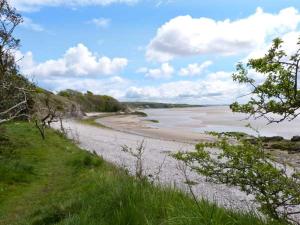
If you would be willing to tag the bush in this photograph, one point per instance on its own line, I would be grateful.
(139, 113)
(247, 166)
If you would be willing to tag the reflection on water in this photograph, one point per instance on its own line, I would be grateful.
(219, 119)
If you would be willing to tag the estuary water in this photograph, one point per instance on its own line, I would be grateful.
(219, 119)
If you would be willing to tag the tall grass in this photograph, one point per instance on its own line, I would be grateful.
(54, 182)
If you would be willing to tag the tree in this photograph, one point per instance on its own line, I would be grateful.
(9, 20)
(278, 94)
(14, 88)
(47, 111)
(240, 162)
(249, 167)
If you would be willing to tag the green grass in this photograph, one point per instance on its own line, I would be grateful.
(92, 122)
(139, 113)
(153, 121)
(55, 182)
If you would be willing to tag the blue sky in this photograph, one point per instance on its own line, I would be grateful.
(150, 50)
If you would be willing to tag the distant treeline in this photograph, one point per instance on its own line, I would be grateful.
(90, 102)
(156, 105)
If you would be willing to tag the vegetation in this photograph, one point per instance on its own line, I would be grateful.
(92, 121)
(139, 113)
(15, 98)
(248, 166)
(278, 93)
(153, 121)
(269, 143)
(243, 162)
(63, 184)
(93, 103)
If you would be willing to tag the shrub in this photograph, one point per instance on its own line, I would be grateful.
(242, 164)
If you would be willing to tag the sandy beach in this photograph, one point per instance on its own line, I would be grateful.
(145, 127)
(108, 142)
(160, 140)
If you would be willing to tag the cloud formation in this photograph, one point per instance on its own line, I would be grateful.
(187, 36)
(194, 69)
(165, 71)
(34, 5)
(216, 88)
(77, 61)
(29, 24)
(100, 22)
(289, 45)
(113, 86)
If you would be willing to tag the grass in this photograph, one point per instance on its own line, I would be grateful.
(153, 121)
(139, 113)
(92, 122)
(55, 182)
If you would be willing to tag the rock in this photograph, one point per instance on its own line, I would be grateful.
(295, 138)
(251, 140)
(294, 149)
(272, 139)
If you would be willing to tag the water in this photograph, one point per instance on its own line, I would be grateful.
(219, 119)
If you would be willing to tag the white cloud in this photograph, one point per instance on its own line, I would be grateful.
(194, 69)
(216, 88)
(289, 45)
(160, 3)
(100, 22)
(34, 5)
(29, 24)
(186, 36)
(78, 61)
(165, 71)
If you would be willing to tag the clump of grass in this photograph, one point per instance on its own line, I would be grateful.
(139, 113)
(87, 160)
(153, 121)
(71, 186)
(92, 122)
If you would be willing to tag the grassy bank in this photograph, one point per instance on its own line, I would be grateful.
(55, 182)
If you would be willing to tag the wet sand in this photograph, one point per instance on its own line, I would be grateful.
(190, 124)
(144, 127)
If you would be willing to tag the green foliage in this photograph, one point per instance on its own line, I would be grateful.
(247, 166)
(93, 103)
(278, 93)
(92, 121)
(139, 113)
(15, 89)
(72, 186)
(15, 98)
(153, 121)
(89, 93)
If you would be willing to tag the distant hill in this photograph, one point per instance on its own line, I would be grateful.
(92, 103)
(156, 105)
(72, 103)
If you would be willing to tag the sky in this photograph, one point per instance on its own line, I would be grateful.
(173, 51)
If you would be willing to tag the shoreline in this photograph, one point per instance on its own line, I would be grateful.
(136, 125)
(142, 127)
(108, 143)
